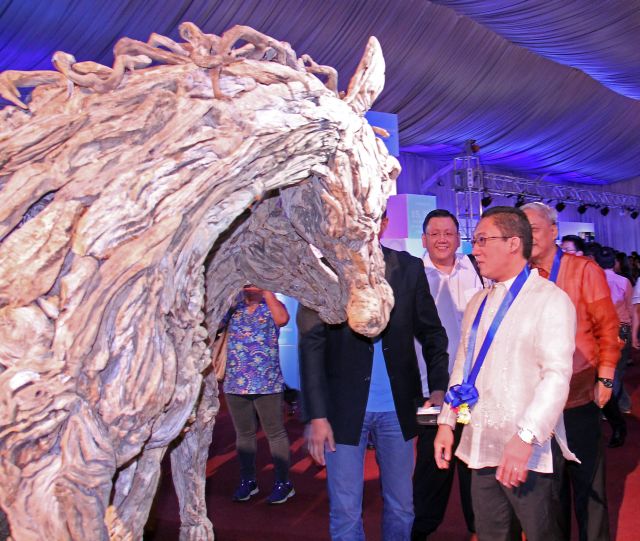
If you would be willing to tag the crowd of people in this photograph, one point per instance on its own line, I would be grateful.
(521, 346)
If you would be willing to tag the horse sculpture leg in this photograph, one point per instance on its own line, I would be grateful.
(63, 497)
(132, 502)
(189, 465)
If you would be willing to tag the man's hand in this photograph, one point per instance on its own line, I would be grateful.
(602, 394)
(635, 342)
(319, 434)
(435, 399)
(515, 458)
(443, 445)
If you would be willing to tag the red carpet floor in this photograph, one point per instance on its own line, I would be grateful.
(305, 517)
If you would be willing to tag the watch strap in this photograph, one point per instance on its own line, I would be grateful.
(607, 382)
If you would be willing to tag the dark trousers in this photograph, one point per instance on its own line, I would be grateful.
(268, 407)
(586, 481)
(499, 511)
(618, 381)
(432, 486)
(611, 409)
(613, 414)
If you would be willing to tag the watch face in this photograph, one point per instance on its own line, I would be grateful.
(526, 435)
(608, 383)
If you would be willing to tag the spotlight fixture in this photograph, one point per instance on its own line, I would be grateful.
(519, 201)
(582, 209)
(486, 199)
(471, 147)
(633, 214)
(604, 211)
(560, 206)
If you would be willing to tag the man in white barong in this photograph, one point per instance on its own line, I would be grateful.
(509, 386)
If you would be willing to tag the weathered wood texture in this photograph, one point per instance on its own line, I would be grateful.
(117, 185)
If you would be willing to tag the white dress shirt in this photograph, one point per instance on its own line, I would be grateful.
(636, 293)
(621, 295)
(451, 293)
(524, 381)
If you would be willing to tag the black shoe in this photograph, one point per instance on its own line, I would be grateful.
(618, 437)
(417, 535)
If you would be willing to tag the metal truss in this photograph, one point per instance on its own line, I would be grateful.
(540, 190)
(477, 181)
(472, 184)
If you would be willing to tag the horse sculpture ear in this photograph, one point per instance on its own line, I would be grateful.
(368, 80)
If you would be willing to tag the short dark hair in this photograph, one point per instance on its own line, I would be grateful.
(591, 249)
(606, 257)
(625, 266)
(439, 213)
(578, 242)
(512, 222)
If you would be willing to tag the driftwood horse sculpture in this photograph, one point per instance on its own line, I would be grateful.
(117, 186)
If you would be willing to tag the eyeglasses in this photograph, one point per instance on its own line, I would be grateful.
(482, 241)
(445, 235)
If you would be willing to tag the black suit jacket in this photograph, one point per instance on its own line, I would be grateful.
(336, 363)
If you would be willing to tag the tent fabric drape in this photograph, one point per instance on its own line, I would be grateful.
(544, 87)
(599, 38)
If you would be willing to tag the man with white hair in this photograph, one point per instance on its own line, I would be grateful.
(594, 363)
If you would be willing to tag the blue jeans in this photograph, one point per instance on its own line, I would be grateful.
(345, 481)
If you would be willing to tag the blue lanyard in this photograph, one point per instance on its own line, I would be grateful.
(555, 269)
(495, 324)
(466, 392)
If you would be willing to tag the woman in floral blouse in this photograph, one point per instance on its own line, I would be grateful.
(253, 385)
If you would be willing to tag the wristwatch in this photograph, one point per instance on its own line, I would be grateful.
(607, 382)
(526, 436)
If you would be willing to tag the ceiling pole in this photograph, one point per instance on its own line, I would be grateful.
(468, 187)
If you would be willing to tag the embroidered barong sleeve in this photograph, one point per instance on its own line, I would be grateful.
(554, 345)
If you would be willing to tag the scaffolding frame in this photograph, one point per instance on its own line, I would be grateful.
(540, 190)
(471, 184)
(468, 185)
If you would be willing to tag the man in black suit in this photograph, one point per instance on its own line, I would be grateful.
(354, 387)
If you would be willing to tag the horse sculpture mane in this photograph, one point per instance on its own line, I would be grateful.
(127, 195)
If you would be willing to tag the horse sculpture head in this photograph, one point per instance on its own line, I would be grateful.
(336, 209)
(115, 184)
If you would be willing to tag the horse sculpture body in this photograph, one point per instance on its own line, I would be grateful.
(117, 185)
